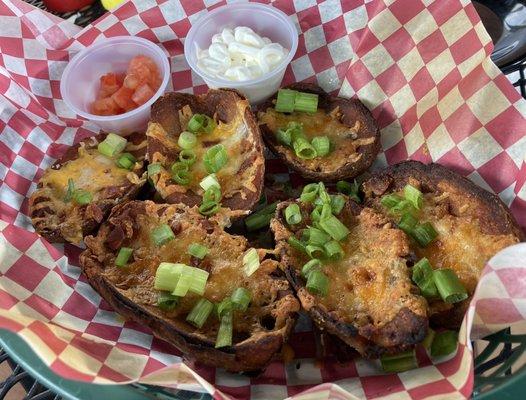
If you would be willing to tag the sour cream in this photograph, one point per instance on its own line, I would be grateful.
(240, 54)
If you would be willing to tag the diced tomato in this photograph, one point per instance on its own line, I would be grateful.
(105, 106)
(142, 94)
(123, 98)
(138, 61)
(132, 81)
(109, 84)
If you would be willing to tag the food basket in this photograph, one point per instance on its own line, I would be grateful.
(500, 364)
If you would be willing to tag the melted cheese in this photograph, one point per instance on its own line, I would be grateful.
(371, 283)
(343, 138)
(91, 171)
(461, 245)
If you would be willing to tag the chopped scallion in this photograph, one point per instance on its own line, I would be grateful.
(317, 283)
(391, 200)
(251, 261)
(184, 282)
(215, 158)
(322, 145)
(224, 306)
(209, 181)
(209, 208)
(306, 102)
(284, 137)
(444, 343)
(407, 223)
(198, 250)
(304, 149)
(224, 334)
(337, 203)
(187, 157)
(154, 169)
(187, 140)
(315, 251)
(200, 123)
(82, 197)
(167, 276)
(112, 145)
(422, 275)
(162, 234)
(293, 214)
(167, 301)
(241, 298)
(70, 190)
(424, 234)
(333, 250)
(198, 280)
(449, 286)
(315, 236)
(200, 312)
(123, 256)
(310, 266)
(296, 244)
(212, 194)
(399, 362)
(126, 161)
(414, 195)
(334, 228)
(285, 100)
(309, 193)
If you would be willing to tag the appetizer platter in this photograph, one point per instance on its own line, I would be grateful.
(178, 213)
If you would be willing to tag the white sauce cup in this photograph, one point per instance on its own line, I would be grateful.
(265, 21)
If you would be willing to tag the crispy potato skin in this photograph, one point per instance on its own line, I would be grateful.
(465, 202)
(250, 353)
(53, 226)
(222, 104)
(352, 110)
(401, 327)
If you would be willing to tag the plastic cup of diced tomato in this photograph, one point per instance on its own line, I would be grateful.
(103, 65)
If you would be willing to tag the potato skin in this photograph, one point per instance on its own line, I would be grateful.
(52, 226)
(493, 216)
(352, 110)
(222, 104)
(407, 327)
(250, 354)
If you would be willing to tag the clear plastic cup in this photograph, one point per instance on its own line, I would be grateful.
(265, 21)
(80, 80)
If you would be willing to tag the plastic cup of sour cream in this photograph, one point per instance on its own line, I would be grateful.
(264, 20)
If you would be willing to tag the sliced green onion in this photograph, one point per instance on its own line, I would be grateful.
(215, 158)
(257, 221)
(391, 200)
(315, 251)
(449, 286)
(226, 305)
(167, 276)
(154, 169)
(187, 157)
(326, 211)
(293, 214)
(310, 266)
(198, 250)
(407, 223)
(337, 203)
(187, 140)
(414, 195)
(209, 181)
(126, 161)
(309, 193)
(405, 206)
(82, 197)
(209, 208)
(184, 282)
(303, 149)
(444, 343)
(424, 234)
(317, 283)
(201, 123)
(315, 236)
(322, 145)
(167, 301)
(296, 131)
(241, 298)
(70, 190)
(181, 177)
(296, 244)
(428, 340)
(212, 194)
(284, 137)
(251, 261)
(199, 277)
(306, 102)
(315, 215)
(333, 250)
(334, 228)
(351, 190)
(112, 145)
(224, 334)
(323, 195)
(200, 312)
(285, 100)
(422, 275)
(162, 234)
(123, 256)
(399, 362)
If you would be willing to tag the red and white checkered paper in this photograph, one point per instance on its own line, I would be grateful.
(421, 66)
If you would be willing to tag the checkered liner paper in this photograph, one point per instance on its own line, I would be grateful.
(422, 67)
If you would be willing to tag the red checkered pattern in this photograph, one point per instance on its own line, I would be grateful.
(421, 66)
